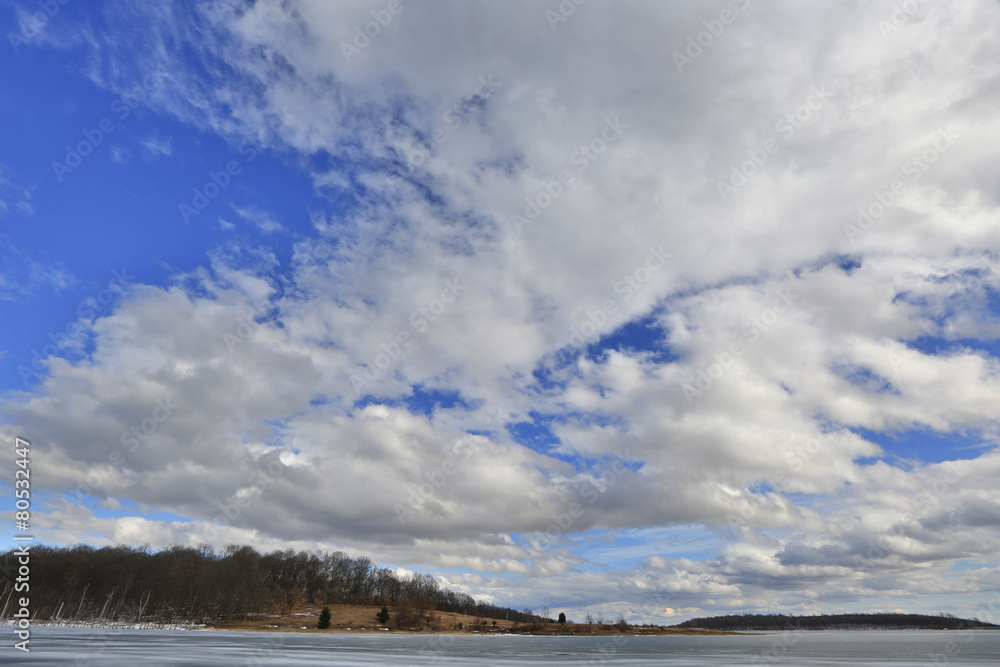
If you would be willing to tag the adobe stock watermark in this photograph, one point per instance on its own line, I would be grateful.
(661, 597)
(562, 522)
(787, 125)
(607, 649)
(246, 327)
(780, 646)
(136, 435)
(363, 36)
(90, 307)
(581, 158)
(900, 16)
(466, 448)
(565, 9)
(881, 546)
(696, 44)
(267, 654)
(421, 318)
(216, 182)
(120, 109)
(724, 359)
(402, 343)
(258, 480)
(418, 496)
(882, 200)
(627, 287)
(144, 430)
(795, 459)
(951, 647)
(898, 358)
(33, 24)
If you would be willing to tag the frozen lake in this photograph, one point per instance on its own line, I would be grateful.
(113, 648)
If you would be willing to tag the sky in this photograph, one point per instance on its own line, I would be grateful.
(655, 309)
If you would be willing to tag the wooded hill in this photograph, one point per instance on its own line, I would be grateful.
(183, 584)
(834, 622)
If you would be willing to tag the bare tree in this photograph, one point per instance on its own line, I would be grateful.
(143, 601)
(8, 586)
(107, 602)
(80, 605)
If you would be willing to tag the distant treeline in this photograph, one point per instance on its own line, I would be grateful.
(186, 584)
(834, 622)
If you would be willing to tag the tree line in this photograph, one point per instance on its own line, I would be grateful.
(185, 584)
(762, 622)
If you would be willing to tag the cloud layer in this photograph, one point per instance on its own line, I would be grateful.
(604, 312)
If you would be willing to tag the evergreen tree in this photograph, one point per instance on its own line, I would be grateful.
(562, 618)
(383, 616)
(324, 619)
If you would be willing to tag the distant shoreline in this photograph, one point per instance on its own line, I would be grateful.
(855, 621)
(362, 619)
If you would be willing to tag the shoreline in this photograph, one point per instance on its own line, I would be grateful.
(641, 631)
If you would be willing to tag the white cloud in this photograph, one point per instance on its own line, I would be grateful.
(156, 146)
(23, 273)
(121, 155)
(264, 221)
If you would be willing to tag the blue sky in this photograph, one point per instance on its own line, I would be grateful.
(119, 210)
(468, 300)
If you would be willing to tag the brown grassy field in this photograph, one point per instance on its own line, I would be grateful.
(361, 618)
